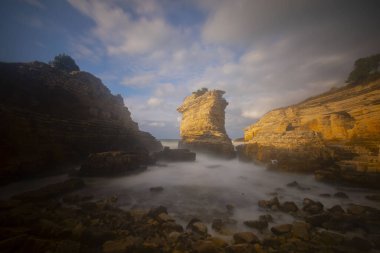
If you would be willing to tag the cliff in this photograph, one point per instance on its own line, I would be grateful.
(51, 118)
(202, 125)
(335, 134)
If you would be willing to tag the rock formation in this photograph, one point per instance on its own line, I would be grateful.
(50, 117)
(202, 125)
(336, 134)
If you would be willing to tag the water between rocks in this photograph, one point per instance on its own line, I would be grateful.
(205, 188)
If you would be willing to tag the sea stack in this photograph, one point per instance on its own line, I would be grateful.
(202, 126)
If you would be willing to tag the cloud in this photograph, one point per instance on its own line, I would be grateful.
(139, 80)
(154, 101)
(124, 34)
(264, 54)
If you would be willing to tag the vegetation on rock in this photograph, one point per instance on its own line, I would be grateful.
(365, 70)
(64, 62)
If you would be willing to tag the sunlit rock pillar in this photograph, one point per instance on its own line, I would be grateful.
(202, 126)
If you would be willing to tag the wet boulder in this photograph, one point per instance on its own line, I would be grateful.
(175, 155)
(289, 207)
(311, 206)
(245, 237)
(281, 229)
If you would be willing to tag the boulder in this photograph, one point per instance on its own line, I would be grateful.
(175, 155)
(312, 207)
(114, 163)
(289, 207)
(245, 237)
(281, 229)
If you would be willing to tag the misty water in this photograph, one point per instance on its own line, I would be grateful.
(205, 187)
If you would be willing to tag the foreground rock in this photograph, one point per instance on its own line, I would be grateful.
(335, 134)
(51, 118)
(175, 155)
(114, 163)
(202, 125)
(57, 222)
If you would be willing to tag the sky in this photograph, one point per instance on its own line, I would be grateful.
(264, 53)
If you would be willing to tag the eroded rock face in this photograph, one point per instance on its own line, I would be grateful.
(202, 125)
(339, 130)
(49, 118)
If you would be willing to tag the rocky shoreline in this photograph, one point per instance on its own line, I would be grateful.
(56, 218)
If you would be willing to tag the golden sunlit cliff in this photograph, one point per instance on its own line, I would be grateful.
(202, 125)
(336, 134)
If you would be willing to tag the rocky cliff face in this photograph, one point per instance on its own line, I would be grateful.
(202, 125)
(336, 134)
(50, 117)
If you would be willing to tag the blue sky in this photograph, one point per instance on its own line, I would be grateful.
(264, 54)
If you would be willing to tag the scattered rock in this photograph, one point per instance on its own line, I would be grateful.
(274, 202)
(206, 247)
(288, 206)
(341, 195)
(325, 195)
(156, 189)
(317, 219)
(359, 243)
(301, 230)
(373, 197)
(266, 217)
(281, 229)
(245, 237)
(337, 209)
(196, 226)
(257, 224)
(356, 209)
(154, 212)
(312, 207)
(230, 208)
(240, 248)
(295, 184)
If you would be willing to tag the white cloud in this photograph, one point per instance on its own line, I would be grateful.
(139, 80)
(154, 101)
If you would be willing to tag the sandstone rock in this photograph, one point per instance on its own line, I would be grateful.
(245, 237)
(269, 203)
(258, 224)
(197, 227)
(288, 206)
(281, 229)
(312, 207)
(338, 129)
(337, 209)
(113, 163)
(53, 119)
(240, 248)
(206, 247)
(373, 197)
(175, 155)
(202, 125)
(301, 230)
(341, 195)
(156, 189)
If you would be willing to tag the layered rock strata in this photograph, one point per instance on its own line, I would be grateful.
(336, 134)
(52, 118)
(202, 125)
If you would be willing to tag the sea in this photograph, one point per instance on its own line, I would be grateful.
(208, 188)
